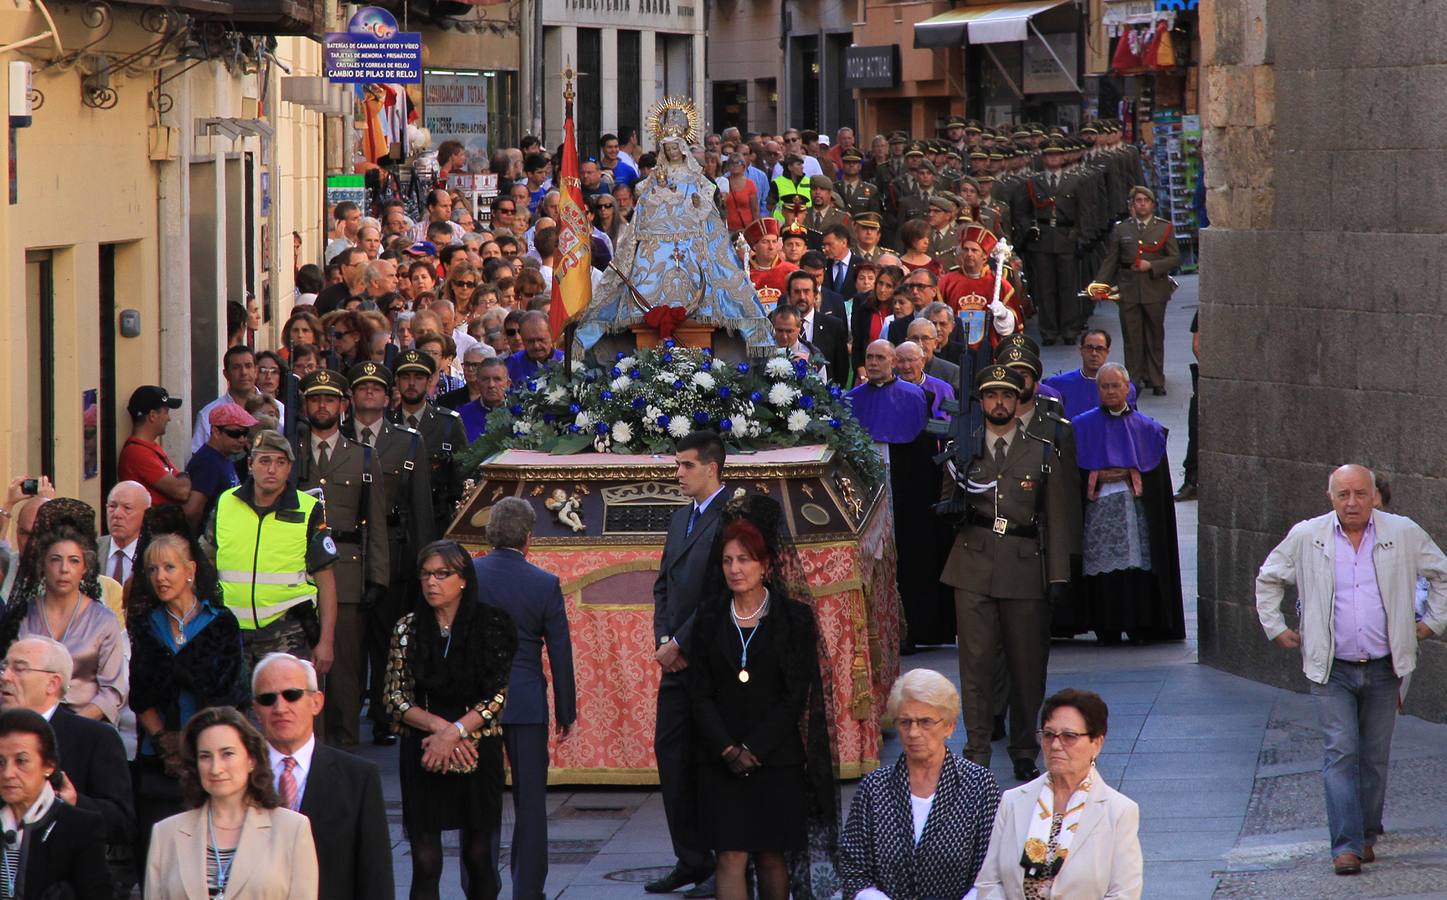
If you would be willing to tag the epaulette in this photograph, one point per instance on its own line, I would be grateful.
(444, 411)
(1041, 438)
(404, 428)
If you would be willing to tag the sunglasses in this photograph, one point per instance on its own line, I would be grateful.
(514, 332)
(507, 210)
(338, 335)
(605, 206)
(291, 695)
(465, 284)
(235, 433)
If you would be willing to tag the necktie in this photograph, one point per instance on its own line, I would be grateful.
(118, 570)
(287, 783)
(999, 451)
(693, 519)
(367, 437)
(324, 455)
(839, 271)
(411, 421)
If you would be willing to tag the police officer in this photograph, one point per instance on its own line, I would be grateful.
(1008, 554)
(442, 433)
(348, 476)
(274, 557)
(407, 491)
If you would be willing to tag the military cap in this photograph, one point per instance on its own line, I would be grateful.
(943, 203)
(1020, 133)
(952, 153)
(416, 361)
(955, 122)
(983, 176)
(1037, 130)
(973, 126)
(1142, 189)
(1052, 146)
(916, 148)
(869, 219)
(898, 137)
(979, 154)
(795, 230)
(1089, 128)
(851, 155)
(796, 202)
(999, 376)
(821, 181)
(269, 440)
(1018, 358)
(324, 381)
(996, 155)
(926, 164)
(370, 371)
(1019, 339)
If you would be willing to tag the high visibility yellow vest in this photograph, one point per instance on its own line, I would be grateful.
(261, 561)
(787, 188)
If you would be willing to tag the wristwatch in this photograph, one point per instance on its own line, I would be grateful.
(665, 639)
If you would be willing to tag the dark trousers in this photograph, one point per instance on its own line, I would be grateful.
(1143, 328)
(347, 679)
(1022, 629)
(677, 777)
(527, 755)
(1053, 287)
(1191, 425)
(381, 618)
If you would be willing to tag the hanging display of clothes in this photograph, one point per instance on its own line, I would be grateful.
(384, 121)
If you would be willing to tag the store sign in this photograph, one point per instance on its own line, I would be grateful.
(1043, 75)
(372, 50)
(872, 67)
(1128, 12)
(454, 108)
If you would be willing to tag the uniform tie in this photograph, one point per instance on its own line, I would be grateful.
(324, 455)
(287, 783)
(367, 437)
(999, 451)
(412, 421)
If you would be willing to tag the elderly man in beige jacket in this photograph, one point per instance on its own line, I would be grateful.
(1355, 571)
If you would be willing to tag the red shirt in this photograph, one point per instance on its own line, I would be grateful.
(971, 296)
(145, 462)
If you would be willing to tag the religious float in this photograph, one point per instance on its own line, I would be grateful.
(674, 339)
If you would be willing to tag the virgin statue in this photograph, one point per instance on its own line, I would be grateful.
(676, 253)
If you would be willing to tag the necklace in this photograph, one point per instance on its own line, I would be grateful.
(445, 630)
(182, 620)
(734, 608)
(744, 656)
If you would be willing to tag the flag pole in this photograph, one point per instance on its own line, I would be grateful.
(570, 330)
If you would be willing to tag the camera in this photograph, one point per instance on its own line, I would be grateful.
(30, 487)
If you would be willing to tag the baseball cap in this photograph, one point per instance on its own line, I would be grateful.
(422, 248)
(149, 398)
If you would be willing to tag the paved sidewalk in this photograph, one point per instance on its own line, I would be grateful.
(1225, 770)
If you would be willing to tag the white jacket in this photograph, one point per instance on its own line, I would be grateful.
(1306, 558)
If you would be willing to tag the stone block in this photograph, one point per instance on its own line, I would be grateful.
(1263, 91)
(1216, 107)
(1423, 208)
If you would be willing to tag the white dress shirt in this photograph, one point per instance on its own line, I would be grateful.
(303, 758)
(128, 559)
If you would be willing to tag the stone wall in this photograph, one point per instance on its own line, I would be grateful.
(1322, 292)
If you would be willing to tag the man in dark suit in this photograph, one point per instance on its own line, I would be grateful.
(683, 573)
(843, 267)
(821, 331)
(534, 599)
(827, 301)
(92, 757)
(340, 793)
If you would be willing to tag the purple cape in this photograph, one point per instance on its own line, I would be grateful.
(894, 413)
(1132, 440)
(1078, 393)
(938, 391)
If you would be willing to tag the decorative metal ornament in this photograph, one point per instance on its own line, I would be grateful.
(674, 117)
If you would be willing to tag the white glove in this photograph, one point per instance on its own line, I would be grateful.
(1004, 317)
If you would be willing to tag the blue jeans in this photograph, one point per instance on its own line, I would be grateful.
(1358, 710)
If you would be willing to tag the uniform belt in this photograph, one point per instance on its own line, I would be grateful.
(1011, 528)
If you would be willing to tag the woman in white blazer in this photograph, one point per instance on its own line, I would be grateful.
(238, 841)
(1067, 834)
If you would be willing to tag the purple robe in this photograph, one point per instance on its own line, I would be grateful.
(520, 368)
(474, 419)
(1131, 440)
(1078, 393)
(893, 413)
(938, 391)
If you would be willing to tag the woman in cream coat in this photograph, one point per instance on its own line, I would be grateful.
(238, 842)
(1067, 834)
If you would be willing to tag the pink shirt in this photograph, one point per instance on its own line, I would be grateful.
(1359, 620)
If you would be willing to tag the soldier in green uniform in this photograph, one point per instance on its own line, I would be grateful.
(824, 210)
(442, 434)
(347, 475)
(855, 194)
(1010, 557)
(1140, 256)
(407, 491)
(944, 240)
(867, 228)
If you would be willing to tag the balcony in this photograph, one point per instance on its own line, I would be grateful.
(298, 17)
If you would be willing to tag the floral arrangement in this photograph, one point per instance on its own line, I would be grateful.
(646, 401)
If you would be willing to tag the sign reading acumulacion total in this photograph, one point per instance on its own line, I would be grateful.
(372, 50)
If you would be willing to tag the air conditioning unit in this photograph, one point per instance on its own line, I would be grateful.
(297, 17)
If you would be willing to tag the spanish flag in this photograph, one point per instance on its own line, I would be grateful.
(573, 271)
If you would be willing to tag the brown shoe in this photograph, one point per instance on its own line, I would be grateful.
(1368, 854)
(1347, 864)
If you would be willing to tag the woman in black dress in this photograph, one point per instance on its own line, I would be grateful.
(765, 770)
(447, 678)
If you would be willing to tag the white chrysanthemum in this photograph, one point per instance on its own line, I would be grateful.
(782, 395)
(678, 426)
(556, 394)
(522, 426)
(665, 377)
(704, 381)
(779, 367)
(622, 432)
(625, 363)
(621, 383)
(584, 420)
(798, 421)
(652, 412)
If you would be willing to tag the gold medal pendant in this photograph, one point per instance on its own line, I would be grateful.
(743, 676)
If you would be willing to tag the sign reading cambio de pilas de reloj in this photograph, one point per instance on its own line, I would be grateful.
(372, 50)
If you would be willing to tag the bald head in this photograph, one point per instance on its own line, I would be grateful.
(879, 362)
(1353, 490)
(125, 507)
(909, 362)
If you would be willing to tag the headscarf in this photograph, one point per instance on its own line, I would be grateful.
(53, 515)
(478, 662)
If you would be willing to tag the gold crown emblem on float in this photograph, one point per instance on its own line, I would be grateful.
(675, 117)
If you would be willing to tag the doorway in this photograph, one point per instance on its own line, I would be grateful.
(40, 326)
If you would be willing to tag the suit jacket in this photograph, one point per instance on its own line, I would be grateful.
(684, 570)
(401, 454)
(1156, 244)
(341, 483)
(831, 337)
(832, 304)
(844, 287)
(1105, 854)
(275, 860)
(65, 856)
(453, 399)
(94, 759)
(534, 599)
(343, 803)
(945, 371)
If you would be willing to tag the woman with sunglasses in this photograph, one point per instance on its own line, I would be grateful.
(447, 677)
(606, 218)
(351, 335)
(185, 656)
(461, 287)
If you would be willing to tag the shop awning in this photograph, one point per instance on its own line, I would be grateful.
(995, 23)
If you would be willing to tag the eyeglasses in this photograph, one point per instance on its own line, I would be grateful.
(464, 284)
(1095, 348)
(437, 574)
(507, 210)
(235, 433)
(605, 206)
(472, 365)
(267, 370)
(338, 335)
(924, 724)
(1067, 738)
(20, 667)
(290, 695)
(916, 286)
(514, 332)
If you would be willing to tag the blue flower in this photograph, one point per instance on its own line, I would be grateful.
(661, 421)
(806, 402)
(574, 408)
(517, 432)
(605, 395)
(708, 351)
(801, 368)
(549, 417)
(639, 403)
(620, 355)
(532, 385)
(617, 371)
(516, 409)
(590, 378)
(743, 368)
(668, 357)
(706, 365)
(726, 424)
(572, 429)
(724, 393)
(701, 417)
(678, 384)
(756, 396)
(635, 373)
(834, 423)
(670, 344)
(834, 391)
(600, 428)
